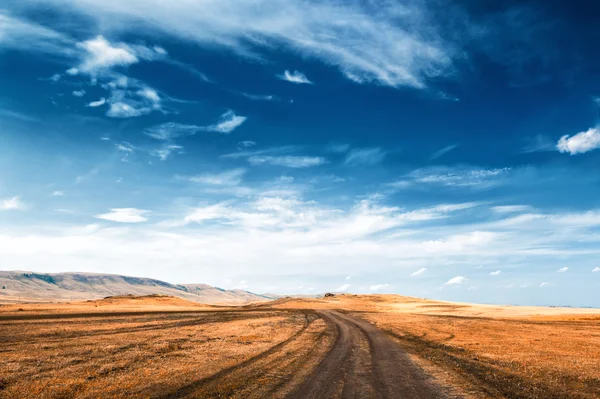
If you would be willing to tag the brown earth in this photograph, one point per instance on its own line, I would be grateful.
(379, 346)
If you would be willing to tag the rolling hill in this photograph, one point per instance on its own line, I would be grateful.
(41, 287)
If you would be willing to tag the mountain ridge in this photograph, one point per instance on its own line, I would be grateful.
(18, 286)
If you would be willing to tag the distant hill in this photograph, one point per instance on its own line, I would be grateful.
(41, 287)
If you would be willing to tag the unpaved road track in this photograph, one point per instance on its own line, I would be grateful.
(365, 363)
(333, 356)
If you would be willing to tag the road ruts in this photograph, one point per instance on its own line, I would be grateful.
(365, 363)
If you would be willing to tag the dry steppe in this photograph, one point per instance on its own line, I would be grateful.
(377, 345)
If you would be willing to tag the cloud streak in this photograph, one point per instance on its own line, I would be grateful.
(294, 77)
(227, 123)
(289, 161)
(125, 215)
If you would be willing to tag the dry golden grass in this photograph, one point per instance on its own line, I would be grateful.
(50, 353)
(163, 347)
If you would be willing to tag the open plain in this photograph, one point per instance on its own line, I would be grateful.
(367, 346)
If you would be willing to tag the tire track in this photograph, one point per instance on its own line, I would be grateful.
(211, 386)
(383, 371)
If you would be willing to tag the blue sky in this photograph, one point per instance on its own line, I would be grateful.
(443, 149)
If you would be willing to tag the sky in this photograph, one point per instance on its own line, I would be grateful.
(434, 148)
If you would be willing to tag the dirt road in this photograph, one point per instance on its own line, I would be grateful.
(333, 356)
(365, 363)
(252, 353)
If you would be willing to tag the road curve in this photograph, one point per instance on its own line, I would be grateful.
(365, 363)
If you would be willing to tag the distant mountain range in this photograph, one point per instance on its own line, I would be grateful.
(40, 287)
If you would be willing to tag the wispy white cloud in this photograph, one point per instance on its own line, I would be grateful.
(17, 115)
(227, 123)
(12, 204)
(294, 77)
(128, 104)
(165, 151)
(57, 193)
(228, 178)
(338, 147)
(23, 34)
(171, 130)
(563, 270)
(538, 143)
(125, 215)
(97, 103)
(419, 272)
(125, 147)
(391, 44)
(596, 270)
(546, 284)
(290, 161)
(79, 93)
(511, 208)
(378, 287)
(364, 156)
(246, 144)
(351, 240)
(442, 151)
(453, 177)
(458, 280)
(261, 97)
(496, 273)
(580, 143)
(342, 288)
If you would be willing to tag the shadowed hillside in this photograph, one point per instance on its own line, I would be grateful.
(18, 286)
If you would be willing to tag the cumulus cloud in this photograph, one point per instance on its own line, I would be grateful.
(580, 143)
(227, 123)
(563, 270)
(596, 269)
(458, 280)
(496, 273)
(12, 204)
(125, 215)
(79, 93)
(419, 272)
(364, 156)
(294, 77)
(100, 54)
(378, 287)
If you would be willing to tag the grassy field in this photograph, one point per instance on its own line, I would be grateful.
(166, 347)
(492, 351)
